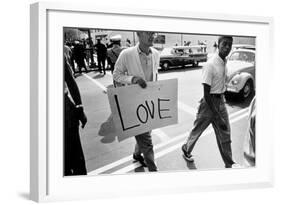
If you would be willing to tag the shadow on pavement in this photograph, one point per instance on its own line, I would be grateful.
(100, 75)
(107, 130)
(180, 69)
(77, 74)
(109, 86)
(139, 169)
(24, 195)
(237, 101)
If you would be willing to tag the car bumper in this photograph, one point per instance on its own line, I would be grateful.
(204, 59)
(232, 89)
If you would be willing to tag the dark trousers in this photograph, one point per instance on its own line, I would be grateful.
(204, 118)
(81, 64)
(112, 67)
(74, 161)
(101, 63)
(71, 62)
(144, 145)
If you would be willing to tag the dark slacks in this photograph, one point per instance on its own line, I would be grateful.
(144, 145)
(81, 64)
(74, 161)
(204, 118)
(101, 63)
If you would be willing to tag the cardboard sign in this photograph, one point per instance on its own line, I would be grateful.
(136, 110)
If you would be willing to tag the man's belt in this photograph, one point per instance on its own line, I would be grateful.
(217, 95)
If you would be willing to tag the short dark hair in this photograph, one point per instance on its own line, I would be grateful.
(224, 37)
(138, 34)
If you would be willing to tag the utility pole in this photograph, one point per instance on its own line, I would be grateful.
(134, 40)
(181, 39)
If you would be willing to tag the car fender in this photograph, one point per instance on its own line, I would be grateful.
(244, 77)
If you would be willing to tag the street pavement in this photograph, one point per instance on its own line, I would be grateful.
(107, 154)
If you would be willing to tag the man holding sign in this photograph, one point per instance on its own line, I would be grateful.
(137, 65)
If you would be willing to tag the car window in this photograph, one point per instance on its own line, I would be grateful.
(166, 51)
(251, 57)
(234, 56)
(242, 46)
(179, 51)
(242, 56)
(195, 50)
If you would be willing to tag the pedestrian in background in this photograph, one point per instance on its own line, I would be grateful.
(79, 56)
(114, 51)
(74, 161)
(128, 43)
(137, 65)
(101, 55)
(204, 43)
(212, 109)
(215, 46)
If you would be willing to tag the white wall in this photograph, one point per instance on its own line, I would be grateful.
(14, 160)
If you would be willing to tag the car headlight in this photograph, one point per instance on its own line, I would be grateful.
(235, 80)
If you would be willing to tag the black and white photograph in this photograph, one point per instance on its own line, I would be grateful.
(134, 102)
(141, 101)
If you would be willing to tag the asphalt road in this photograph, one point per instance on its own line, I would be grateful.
(107, 154)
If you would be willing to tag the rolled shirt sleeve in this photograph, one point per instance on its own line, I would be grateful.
(207, 74)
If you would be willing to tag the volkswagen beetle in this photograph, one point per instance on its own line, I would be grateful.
(241, 72)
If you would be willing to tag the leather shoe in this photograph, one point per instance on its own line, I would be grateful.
(139, 159)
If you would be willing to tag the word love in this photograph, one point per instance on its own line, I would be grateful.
(136, 110)
(145, 111)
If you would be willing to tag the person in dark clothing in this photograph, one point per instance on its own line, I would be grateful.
(114, 51)
(215, 46)
(74, 161)
(109, 44)
(101, 54)
(79, 56)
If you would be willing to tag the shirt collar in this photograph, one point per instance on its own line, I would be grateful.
(141, 52)
(219, 59)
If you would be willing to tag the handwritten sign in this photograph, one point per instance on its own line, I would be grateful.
(136, 110)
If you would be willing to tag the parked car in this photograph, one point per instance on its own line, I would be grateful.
(241, 72)
(250, 137)
(182, 55)
(243, 46)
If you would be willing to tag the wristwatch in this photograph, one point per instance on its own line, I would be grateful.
(79, 106)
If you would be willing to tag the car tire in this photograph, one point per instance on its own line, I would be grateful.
(166, 65)
(195, 64)
(247, 90)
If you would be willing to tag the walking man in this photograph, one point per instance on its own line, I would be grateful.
(101, 55)
(137, 65)
(212, 108)
(114, 51)
(79, 56)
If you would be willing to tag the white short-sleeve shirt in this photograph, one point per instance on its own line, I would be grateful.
(214, 74)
